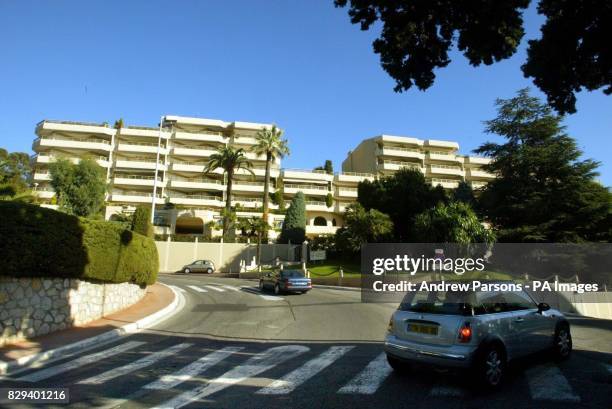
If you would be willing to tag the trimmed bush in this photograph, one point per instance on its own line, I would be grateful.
(294, 225)
(40, 242)
(141, 221)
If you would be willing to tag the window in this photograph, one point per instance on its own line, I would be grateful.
(319, 221)
(516, 301)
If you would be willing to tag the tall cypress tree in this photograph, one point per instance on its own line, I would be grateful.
(294, 226)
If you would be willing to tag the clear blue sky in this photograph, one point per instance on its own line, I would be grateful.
(300, 64)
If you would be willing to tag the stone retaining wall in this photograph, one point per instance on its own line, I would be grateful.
(38, 306)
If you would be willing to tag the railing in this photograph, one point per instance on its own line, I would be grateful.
(54, 121)
(348, 189)
(315, 203)
(137, 177)
(436, 180)
(445, 167)
(444, 153)
(55, 138)
(248, 183)
(311, 187)
(197, 147)
(135, 193)
(362, 174)
(189, 163)
(400, 163)
(319, 171)
(402, 149)
(194, 180)
(146, 128)
(139, 159)
(194, 196)
(216, 133)
(141, 144)
(104, 158)
(247, 199)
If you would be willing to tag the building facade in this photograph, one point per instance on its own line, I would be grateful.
(166, 164)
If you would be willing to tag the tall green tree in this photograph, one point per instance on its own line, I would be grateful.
(231, 160)
(80, 188)
(15, 170)
(454, 222)
(545, 191)
(269, 142)
(464, 193)
(573, 52)
(294, 225)
(402, 196)
(362, 226)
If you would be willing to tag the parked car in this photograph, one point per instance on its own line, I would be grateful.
(199, 266)
(290, 281)
(480, 331)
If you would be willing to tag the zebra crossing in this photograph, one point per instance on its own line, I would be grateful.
(221, 288)
(193, 382)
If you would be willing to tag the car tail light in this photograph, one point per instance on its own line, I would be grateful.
(390, 326)
(465, 333)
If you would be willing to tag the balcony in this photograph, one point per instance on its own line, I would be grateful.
(185, 166)
(340, 207)
(248, 186)
(353, 177)
(478, 185)
(319, 190)
(42, 158)
(139, 163)
(196, 183)
(477, 160)
(144, 131)
(249, 202)
(315, 206)
(346, 192)
(401, 152)
(203, 136)
(201, 151)
(141, 147)
(321, 229)
(394, 165)
(45, 192)
(135, 197)
(42, 176)
(196, 200)
(433, 143)
(445, 170)
(445, 183)
(71, 143)
(444, 156)
(475, 173)
(260, 171)
(49, 126)
(138, 180)
(317, 175)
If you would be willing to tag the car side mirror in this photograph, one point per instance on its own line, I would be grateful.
(543, 307)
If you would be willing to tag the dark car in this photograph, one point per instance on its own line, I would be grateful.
(285, 281)
(199, 266)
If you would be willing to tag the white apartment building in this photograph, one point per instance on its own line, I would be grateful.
(166, 164)
(439, 161)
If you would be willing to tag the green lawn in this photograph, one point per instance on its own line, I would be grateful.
(330, 269)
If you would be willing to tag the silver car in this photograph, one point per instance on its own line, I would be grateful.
(199, 266)
(481, 331)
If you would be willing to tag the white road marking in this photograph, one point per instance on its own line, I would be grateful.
(370, 378)
(193, 369)
(84, 360)
(177, 288)
(546, 382)
(198, 289)
(295, 378)
(444, 390)
(271, 297)
(148, 360)
(212, 287)
(254, 366)
(230, 287)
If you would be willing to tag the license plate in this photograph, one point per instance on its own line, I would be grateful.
(423, 329)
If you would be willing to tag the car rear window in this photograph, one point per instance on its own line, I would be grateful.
(438, 302)
(292, 274)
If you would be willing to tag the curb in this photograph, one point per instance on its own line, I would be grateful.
(336, 287)
(51, 355)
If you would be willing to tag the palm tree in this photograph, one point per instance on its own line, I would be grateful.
(269, 143)
(230, 160)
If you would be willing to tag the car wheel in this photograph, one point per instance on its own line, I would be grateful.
(277, 289)
(397, 365)
(186, 271)
(209, 270)
(261, 285)
(491, 366)
(562, 343)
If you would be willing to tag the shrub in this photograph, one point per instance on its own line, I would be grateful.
(141, 221)
(294, 225)
(40, 242)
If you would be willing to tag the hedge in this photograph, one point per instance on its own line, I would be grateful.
(141, 221)
(40, 242)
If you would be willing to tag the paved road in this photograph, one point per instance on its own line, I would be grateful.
(233, 347)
